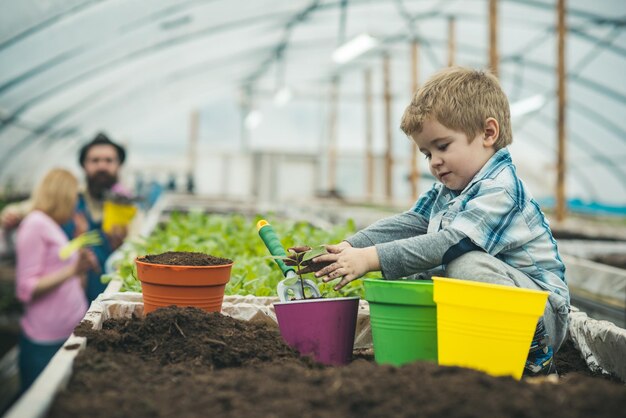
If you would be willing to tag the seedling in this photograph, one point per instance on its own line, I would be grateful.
(300, 260)
(88, 239)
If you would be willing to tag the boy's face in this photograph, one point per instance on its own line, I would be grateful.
(453, 159)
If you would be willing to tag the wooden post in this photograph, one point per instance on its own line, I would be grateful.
(332, 134)
(245, 99)
(493, 36)
(388, 132)
(562, 86)
(415, 174)
(451, 40)
(192, 151)
(369, 135)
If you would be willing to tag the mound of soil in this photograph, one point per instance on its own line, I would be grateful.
(120, 375)
(189, 335)
(178, 258)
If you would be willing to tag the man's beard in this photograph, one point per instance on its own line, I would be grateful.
(100, 183)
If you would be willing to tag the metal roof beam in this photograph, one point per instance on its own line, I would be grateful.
(280, 48)
(46, 23)
(158, 47)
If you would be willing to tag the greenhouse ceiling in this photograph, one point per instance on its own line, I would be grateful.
(138, 68)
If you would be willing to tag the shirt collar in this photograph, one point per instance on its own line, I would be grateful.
(497, 162)
(493, 166)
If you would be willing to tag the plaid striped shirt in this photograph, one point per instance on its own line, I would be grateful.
(498, 214)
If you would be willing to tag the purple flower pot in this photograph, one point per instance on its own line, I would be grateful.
(322, 328)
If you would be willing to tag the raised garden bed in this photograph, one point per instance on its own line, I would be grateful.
(180, 366)
(185, 362)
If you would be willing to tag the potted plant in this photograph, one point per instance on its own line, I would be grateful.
(183, 279)
(314, 325)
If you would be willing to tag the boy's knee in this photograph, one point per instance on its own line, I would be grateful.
(469, 266)
(478, 266)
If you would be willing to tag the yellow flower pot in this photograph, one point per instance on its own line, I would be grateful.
(486, 327)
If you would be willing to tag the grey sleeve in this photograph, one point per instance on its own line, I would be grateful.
(403, 225)
(404, 257)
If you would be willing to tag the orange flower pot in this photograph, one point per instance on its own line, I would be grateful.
(198, 286)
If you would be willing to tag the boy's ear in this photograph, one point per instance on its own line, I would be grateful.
(492, 132)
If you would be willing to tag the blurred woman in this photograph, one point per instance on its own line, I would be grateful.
(51, 289)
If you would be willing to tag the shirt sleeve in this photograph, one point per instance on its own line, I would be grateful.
(403, 225)
(492, 221)
(408, 256)
(424, 204)
(30, 249)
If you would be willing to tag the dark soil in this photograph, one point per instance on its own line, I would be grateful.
(615, 260)
(568, 360)
(173, 258)
(566, 234)
(151, 368)
(188, 335)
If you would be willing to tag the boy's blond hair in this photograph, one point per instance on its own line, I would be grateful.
(460, 99)
(56, 195)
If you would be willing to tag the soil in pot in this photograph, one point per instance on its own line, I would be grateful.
(118, 375)
(183, 279)
(178, 258)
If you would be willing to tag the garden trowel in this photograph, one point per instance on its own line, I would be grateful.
(291, 282)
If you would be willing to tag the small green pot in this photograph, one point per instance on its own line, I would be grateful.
(403, 317)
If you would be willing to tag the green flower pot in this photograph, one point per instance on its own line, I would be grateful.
(403, 317)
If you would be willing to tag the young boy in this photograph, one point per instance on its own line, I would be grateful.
(478, 223)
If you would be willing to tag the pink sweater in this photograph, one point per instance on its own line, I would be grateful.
(51, 317)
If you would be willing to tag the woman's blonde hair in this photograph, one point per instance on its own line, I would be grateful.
(461, 99)
(56, 195)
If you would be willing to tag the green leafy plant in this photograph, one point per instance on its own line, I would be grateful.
(234, 237)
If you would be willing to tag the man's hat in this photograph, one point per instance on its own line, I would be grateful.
(101, 139)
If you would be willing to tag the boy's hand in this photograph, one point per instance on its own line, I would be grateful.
(347, 262)
(311, 265)
(308, 266)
